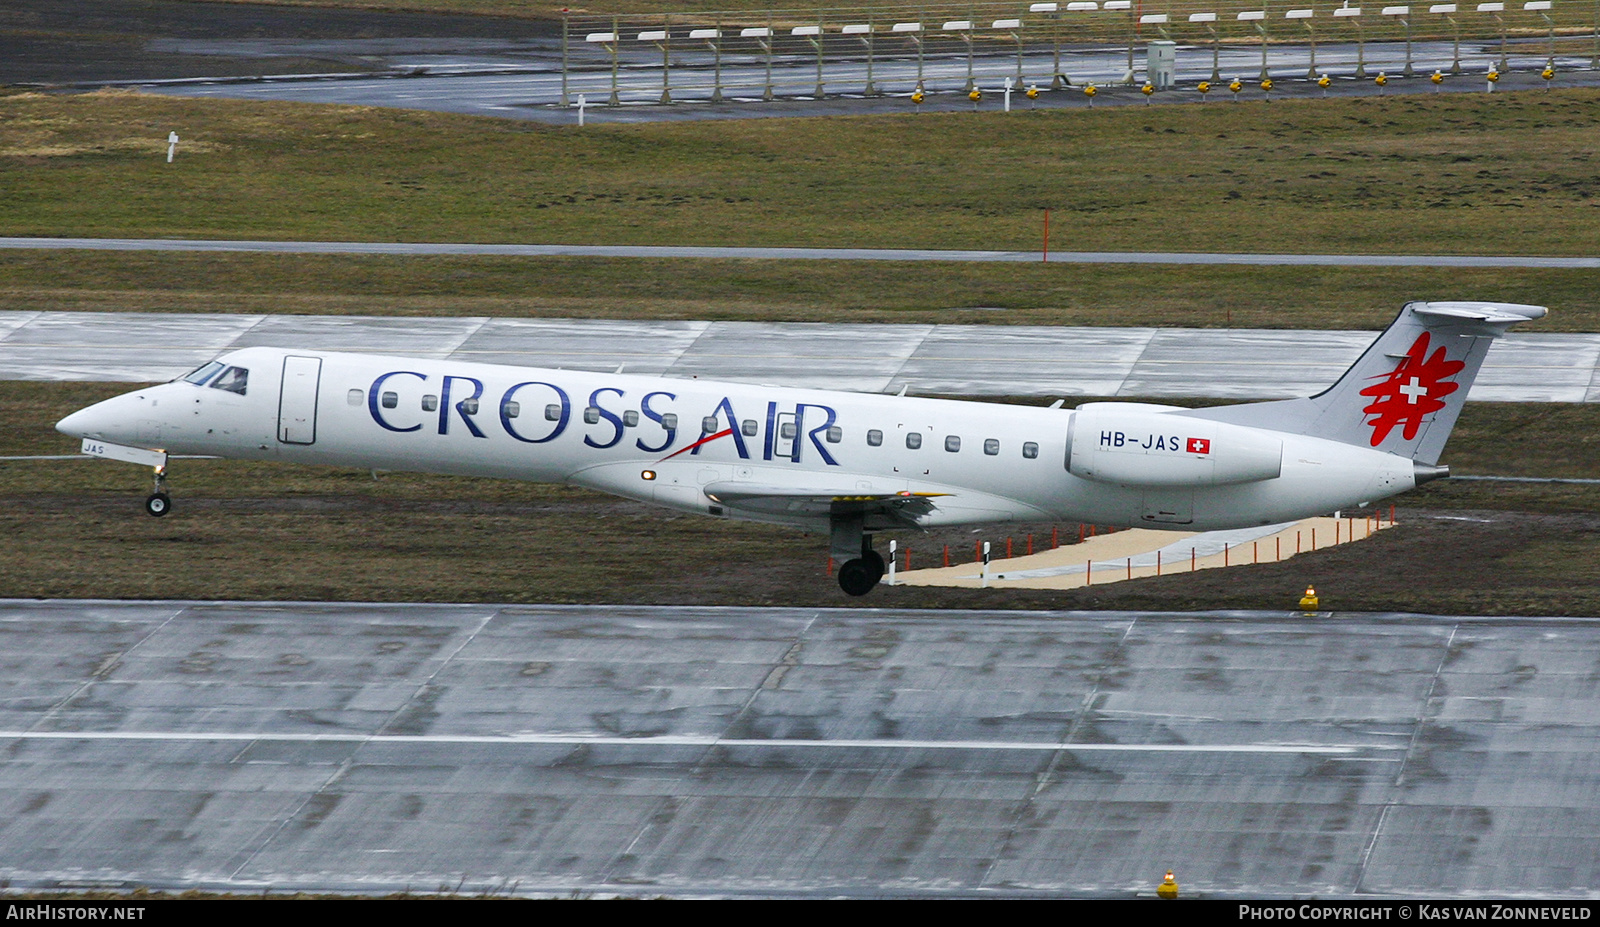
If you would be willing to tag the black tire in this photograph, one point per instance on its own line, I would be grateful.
(158, 504)
(857, 578)
(874, 561)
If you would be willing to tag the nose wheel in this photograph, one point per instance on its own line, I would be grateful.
(158, 503)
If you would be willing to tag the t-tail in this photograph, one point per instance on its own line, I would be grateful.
(1407, 389)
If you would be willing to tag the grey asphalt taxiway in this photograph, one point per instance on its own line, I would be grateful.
(724, 751)
(964, 360)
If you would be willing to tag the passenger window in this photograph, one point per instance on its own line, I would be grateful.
(708, 424)
(991, 446)
(511, 409)
(874, 438)
(234, 380)
(786, 430)
(749, 427)
(356, 397)
(913, 439)
(1030, 450)
(552, 412)
(952, 443)
(592, 415)
(469, 407)
(669, 421)
(391, 400)
(200, 375)
(430, 402)
(630, 418)
(835, 434)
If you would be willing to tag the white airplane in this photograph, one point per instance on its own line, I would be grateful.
(848, 464)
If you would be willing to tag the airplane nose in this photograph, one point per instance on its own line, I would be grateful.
(78, 424)
(94, 422)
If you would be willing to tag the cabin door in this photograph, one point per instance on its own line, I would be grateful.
(297, 400)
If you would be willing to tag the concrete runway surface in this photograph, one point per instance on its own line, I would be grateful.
(795, 752)
(965, 360)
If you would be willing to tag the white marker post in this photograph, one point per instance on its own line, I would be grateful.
(894, 547)
(1008, 94)
(983, 573)
(172, 145)
(581, 102)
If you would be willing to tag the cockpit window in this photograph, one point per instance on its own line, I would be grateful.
(234, 380)
(200, 375)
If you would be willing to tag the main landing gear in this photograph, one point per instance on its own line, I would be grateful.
(861, 567)
(158, 503)
(859, 576)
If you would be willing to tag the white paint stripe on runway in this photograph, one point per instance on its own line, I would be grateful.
(685, 740)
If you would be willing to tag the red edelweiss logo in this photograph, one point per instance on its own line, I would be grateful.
(1415, 389)
(1199, 446)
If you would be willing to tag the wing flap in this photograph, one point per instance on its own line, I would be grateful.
(821, 502)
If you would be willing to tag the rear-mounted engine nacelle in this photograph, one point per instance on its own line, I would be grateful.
(1138, 445)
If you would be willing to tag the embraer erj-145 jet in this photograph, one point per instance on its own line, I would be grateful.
(848, 464)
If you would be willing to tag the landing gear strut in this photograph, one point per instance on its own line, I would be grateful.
(860, 571)
(158, 503)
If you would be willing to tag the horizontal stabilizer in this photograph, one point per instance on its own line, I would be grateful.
(1495, 318)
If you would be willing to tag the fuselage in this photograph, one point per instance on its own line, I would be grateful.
(664, 440)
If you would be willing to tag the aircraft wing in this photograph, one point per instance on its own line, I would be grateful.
(822, 502)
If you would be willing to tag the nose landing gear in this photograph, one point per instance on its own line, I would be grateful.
(158, 503)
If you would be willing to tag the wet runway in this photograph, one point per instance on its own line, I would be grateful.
(524, 79)
(967, 360)
(723, 751)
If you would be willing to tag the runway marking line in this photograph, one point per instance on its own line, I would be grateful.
(692, 740)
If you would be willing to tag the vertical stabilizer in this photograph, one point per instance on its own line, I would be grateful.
(1407, 389)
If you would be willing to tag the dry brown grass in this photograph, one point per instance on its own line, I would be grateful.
(817, 291)
(1406, 174)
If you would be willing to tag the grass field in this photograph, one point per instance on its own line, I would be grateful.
(1359, 175)
(1340, 175)
(825, 291)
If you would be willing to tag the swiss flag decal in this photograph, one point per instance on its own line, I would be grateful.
(1199, 446)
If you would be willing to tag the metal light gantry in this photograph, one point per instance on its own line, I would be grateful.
(787, 39)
